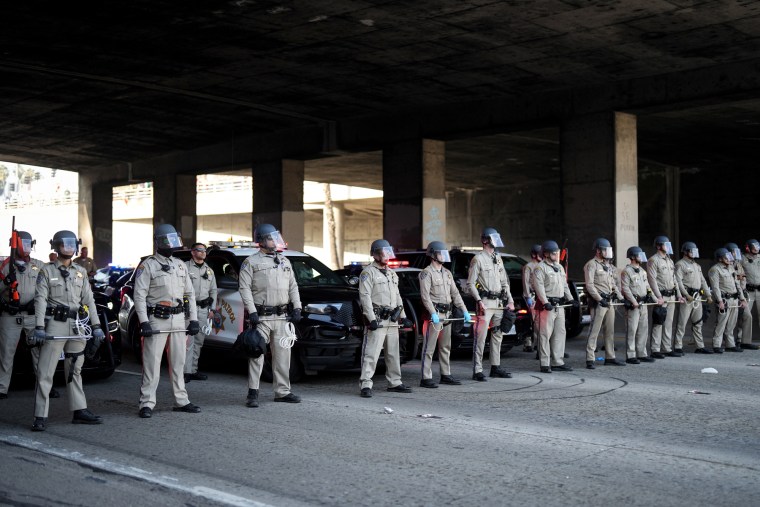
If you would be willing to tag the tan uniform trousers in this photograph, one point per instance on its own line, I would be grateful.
(744, 335)
(436, 334)
(685, 313)
(272, 328)
(662, 336)
(195, 343)
(725, 325)
(374, 342)
(153, 347)
(532, 338)
(637, 321)
(551, 337)
(492, 317)
(602, 320)
(10, 333)
(49, 355)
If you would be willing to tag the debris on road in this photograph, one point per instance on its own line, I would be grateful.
(698, 392)
(388, 410)
(429, 416)
(709, 370)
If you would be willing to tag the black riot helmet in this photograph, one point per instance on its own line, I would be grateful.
(604, 247)
(491, 236)
(535, 251)
(381, 250)
(437, 250)
(166, 239)
(690, 248)
(664, 241)
(549, 247)
(723, 253)
(268, 232)
(65, 244)
(752, 244)
(636, 253)
(25, 243)
(734, 249)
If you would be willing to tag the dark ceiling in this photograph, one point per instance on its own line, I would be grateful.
(87, 85)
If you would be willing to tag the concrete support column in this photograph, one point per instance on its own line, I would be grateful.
(187, 220)
(164, 200)
(414, 198)
(334, 251)
(599, 185)
(102, 224)
(278, 199)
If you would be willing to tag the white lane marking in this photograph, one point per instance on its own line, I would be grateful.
(166, 481)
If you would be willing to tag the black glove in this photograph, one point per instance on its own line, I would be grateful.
(98, 336)
(373, 325)
(9, 279)
(37, 338)
(406, 323)
(548, 307)
(577, 304)
(193, 328)
(253, 319)
(295, 317)
(145, 329)
(649, 299)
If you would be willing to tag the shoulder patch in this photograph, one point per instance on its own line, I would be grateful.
(423, 275)
(139, 271)
(244, 264)
(364, 277)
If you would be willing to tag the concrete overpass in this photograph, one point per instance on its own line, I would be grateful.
(549, 118)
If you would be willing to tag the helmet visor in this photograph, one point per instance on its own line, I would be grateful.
(68, 246)
(754, 246)
(641, 257)
(736, 253)
(693, 252)
(171, 240)
(668, 247)
(441, 256)
(385, 253)
(276, 237)
(729, 257)
(25, 246)
(496, 240)
(606, 252)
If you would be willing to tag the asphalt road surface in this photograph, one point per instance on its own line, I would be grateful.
(632, 435)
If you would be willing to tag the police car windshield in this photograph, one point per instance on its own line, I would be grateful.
(309, 272)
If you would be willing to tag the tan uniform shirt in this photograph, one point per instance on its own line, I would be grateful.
(741, 276)
(87, 263)
(438, 286)
(379, 287)
(155, 284)
(27, 282)
(203, 280)
(634, 282)
(549, 281)
(752, 269)
(487, 273)
(55, 289)
(601, 277)
(268, 279)
(527, 274)
(661, 273)
(689, 276)
(723, 281)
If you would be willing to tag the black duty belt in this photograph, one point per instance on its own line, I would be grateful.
(668, 292)
(386, 312)
(487, 294)
(271, 310)
(442, 307)
(752, 288)
(164, 312)
(13, 310)
(692, 290)
(734, 295)
(204, 303)
(60, 313)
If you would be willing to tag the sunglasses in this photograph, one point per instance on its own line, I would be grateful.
(200, 250)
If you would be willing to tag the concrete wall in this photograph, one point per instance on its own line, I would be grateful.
(360, 232)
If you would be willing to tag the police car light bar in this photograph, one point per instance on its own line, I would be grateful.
(393, 263)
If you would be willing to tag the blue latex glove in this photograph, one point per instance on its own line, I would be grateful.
(435, 318)
(529, 301)
(467, 317)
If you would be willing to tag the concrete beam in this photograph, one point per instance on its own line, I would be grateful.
(278, 199)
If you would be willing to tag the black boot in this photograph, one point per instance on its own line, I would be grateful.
(253, 398)
(497, 371)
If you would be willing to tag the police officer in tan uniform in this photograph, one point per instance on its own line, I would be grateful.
(662, 281)
(63, 303)
(17, 317)
(384, 310)
(87, 263)
(744, 317)
(729, 297)
(751, 265)
(552, 294)
(692, 284)
(439, 296)
(601, 287)
(489, 285)
(269, 292)
(634, 285)
(162, 289)
(204, 285)
(529, 296)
